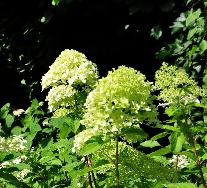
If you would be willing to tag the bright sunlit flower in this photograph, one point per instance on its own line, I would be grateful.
(121, 98)
(71, 73)
(72, 68)
(179, 161)
(18, 112)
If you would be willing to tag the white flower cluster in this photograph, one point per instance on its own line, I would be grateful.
(119, 100)
(179, 161)
(175, 86)
(62, 95)
(14, 143)
(20, 175)
(18, 112)
(17, 160)
(70, 72)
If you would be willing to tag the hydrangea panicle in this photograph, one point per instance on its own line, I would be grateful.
(175, 86)
(70, 72)
(118, 100)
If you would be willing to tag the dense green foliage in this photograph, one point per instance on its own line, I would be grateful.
(94, 132)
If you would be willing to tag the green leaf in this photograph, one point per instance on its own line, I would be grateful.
(13, 180)
(55, 162)
(181, 185)
(89, 148)
(76, 125)
(191, 33)
(160, 135)
(9, 120)
(203, 45)
(161, 159)
(55, 2)
(134, 134)
(5, 110)
(176, 27)
(150, 144)
(161, 151)
(170, 128)
(16, 130)
(192, 17)
(2, 155)
(64, 131)
(188, 1)
(156, 32)
(177, 140)
(70, 166)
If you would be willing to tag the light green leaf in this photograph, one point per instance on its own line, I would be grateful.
(181, 185)
(191, 33)
(64, 131)
(170, 128)
(177, 141)
(76, 125)
(5, 110)
(16, 130)
(150, 144)
(9, 120)
(188, 1)
(192, 17)
(55, 2)
(176, 27)
(156, 32)
(90, 148)
(161, 151)
(55, 162)
(203, 45)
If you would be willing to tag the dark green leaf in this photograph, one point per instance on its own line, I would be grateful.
(134, 134)
(160, 135)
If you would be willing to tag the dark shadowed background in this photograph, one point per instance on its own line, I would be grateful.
(109, 32)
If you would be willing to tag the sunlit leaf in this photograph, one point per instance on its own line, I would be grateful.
(150, 144)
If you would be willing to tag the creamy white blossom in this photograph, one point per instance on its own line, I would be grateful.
(119, 100)
(20, 175)
(71, 73)
(18, 112)
(179, 161)
(175, 86)
(14, 143)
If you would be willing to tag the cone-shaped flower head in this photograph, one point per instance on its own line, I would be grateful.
(70, 73)
(121, 99)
